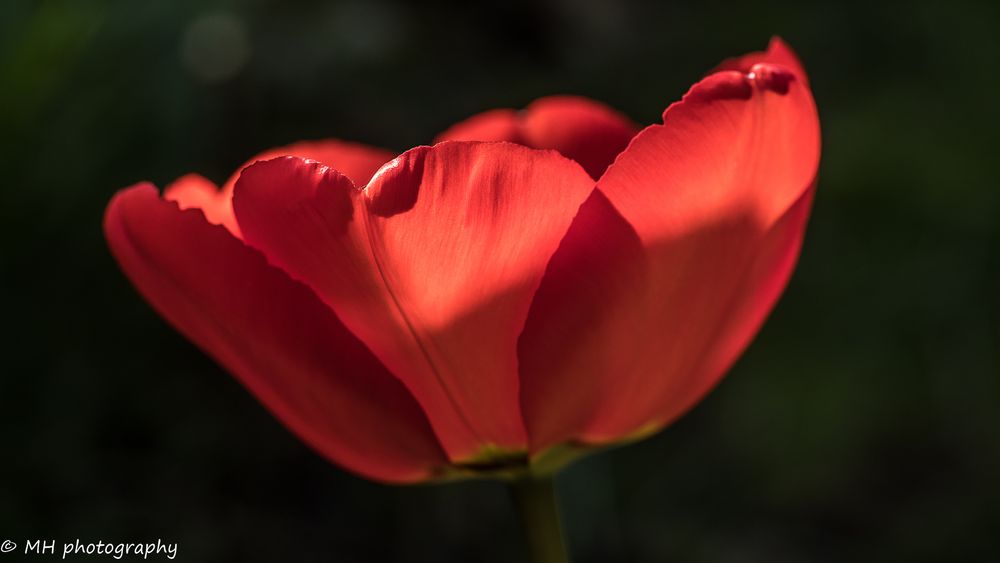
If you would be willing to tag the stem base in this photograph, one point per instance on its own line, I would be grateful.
(535, 500)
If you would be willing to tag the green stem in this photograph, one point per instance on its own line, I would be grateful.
(535, 499)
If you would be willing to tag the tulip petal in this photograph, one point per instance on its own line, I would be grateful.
(433, 265)
(566, 356)
(274, 335)
(580, 129)
(354, 160)
(492, 125)
(195, 191)
(699, 232)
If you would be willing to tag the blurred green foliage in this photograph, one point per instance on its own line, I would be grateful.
(862, 425)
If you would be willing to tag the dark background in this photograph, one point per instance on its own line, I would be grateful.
(862, 425)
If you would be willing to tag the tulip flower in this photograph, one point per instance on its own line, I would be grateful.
(536, 285)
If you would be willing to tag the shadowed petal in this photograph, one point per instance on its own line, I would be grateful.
(433, 266)
(580, 129)
(354, 160)
(492, 125)
(274, 335)
(587, 290)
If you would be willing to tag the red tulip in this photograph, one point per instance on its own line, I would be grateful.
(482, 306)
